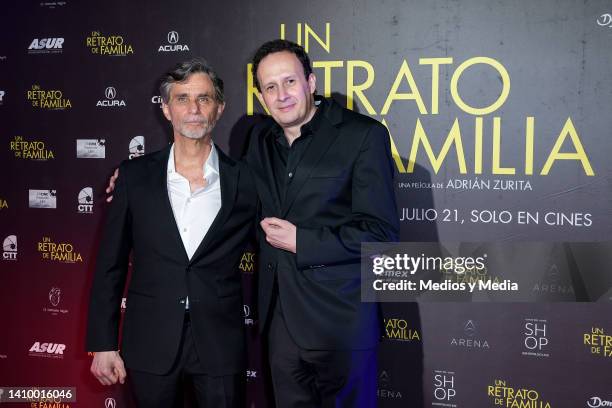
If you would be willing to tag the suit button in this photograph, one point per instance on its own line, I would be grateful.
(182, 302)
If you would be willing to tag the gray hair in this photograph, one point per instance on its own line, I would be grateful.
(183, 70)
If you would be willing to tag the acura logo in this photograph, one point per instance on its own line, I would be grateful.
(110, 92)
(173, 37)
(110, 403)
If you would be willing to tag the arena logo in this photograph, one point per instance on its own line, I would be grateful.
(399, 330)
(42, 198)
(9, 248)
(511, 397)
(48, 350)
(605, 20)
(52, 99)
(110, 403)
(553, 283)
(247, 262)
(597, 402)
(535, 340)
(110, 94)
(599, 342)
(54, 297)
(85, 201)
(63, 252)
(3, 204)
(248, 321)
(30, 149)
(108, 45)
(137, 147)
(91, 148)
(173, 46)
(385, 389)
(51, 45)
(444, 388)
(470, 339)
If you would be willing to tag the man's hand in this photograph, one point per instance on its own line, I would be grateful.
(280, 234)
(111, 185)
(107, 367)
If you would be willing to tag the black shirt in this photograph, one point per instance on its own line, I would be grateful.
(285, 158)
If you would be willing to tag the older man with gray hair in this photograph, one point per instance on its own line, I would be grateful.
(185, 213)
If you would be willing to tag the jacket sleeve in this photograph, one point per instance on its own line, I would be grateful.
(373, 207)
(111, 272)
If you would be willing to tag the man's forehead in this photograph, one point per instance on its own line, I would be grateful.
(195, 83)
(281, 63)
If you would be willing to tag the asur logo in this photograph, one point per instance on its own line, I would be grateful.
(110, 403)
(46, 45)
(9, 248)
(48, 349)
(173, 46)
(137, 147)
(55, 296)
(110, 94)
(85, 200)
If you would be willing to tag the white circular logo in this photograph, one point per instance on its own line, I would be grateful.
(173, 37)
(605, 20)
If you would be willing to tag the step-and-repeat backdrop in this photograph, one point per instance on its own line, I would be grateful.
(499, 116)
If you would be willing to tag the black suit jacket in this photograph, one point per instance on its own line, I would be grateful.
(340, 196)
(140, 219)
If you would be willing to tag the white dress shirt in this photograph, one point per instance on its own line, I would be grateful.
(195, 211)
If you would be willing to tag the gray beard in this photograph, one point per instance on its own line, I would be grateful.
(198, 134)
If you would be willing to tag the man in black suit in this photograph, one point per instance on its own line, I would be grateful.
(324, 176)
(185, 212)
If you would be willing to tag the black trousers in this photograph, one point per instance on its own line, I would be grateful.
(319, 378)
(166, 391)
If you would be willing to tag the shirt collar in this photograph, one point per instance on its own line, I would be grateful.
(211, 166)
(308, 128)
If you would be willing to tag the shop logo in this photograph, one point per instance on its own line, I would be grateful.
(444, 388)
(535, 340)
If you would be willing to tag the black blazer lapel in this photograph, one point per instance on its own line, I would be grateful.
(228, 176)
(159, 187)
(321, 142)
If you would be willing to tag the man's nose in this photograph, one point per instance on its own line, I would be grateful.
(193, 106)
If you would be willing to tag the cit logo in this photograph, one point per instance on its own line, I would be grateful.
(605, 20)
(9, 247)
(137, 147)
(110, 403)
(85, 199)
(110, 92)
(596, 402)
(173, 37)
(54, 296)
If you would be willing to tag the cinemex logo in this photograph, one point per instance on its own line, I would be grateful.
(251, 375)
(111, 93)
(156, 99)
(444, 388)
(43, 198)
(86, 201)
(110, 403)
(605, 20)
(48, 350)
(46, 45)
(91, 148)
(173, 46)
(137, 147)
(536, 340)
(596, 402)
(9, 248)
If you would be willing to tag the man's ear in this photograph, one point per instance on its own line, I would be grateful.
(312, 82)
(166, 110)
